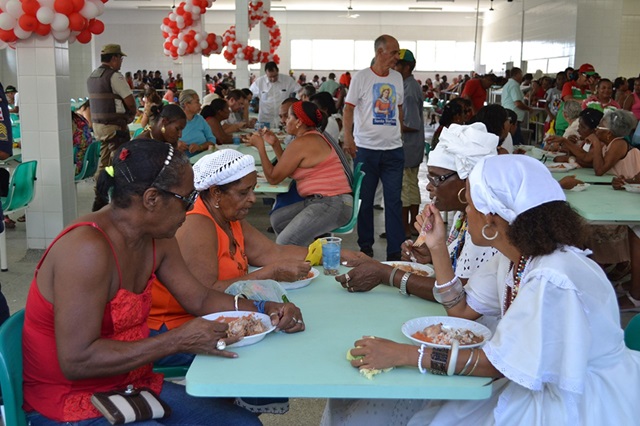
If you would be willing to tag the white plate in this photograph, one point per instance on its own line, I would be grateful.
(632, 187)
(248, 340)
(426, 268)
(580, 187)
(301, 283)
(419, 324)
(561, 167)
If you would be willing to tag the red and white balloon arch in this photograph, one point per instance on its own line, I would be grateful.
(182, 39)
(65, 20)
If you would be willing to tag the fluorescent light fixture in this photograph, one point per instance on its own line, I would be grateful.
(425, 9)
(435, 1)
(278, 7)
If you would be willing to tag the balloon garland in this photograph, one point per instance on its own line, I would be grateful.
(236, 50)
(65, 20)
(182, 39)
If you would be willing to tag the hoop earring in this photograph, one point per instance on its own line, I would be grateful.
(484, 235)
(459, 196)
(162, 130)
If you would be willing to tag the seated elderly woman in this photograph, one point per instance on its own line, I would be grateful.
(166, 125)
(319, 172)
(86, 315)
(197, 134)
(577, 146)
(218, 244)
(549, 357)
(612, 154)
(214, 114)
(459, 149)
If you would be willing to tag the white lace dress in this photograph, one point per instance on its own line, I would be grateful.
(559, 346)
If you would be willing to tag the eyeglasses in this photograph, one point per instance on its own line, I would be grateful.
(438, 180)
(188, 201)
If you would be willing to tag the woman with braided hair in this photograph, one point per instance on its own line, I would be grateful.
(320, 173)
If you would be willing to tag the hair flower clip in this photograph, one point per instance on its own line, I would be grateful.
(124, 154)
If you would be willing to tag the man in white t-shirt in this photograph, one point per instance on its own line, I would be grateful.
(372, 122)
(272, 88)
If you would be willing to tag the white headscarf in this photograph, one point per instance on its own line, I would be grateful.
(460, 148)
(508, 185)
(221, 167)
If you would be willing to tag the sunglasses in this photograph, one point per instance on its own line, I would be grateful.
(188, 201)
(438, 180)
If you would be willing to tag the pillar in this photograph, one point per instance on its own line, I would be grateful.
(242, 36)
(192, 68)
(45, 118)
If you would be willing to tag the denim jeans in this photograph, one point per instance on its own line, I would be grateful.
(300, 223)
(171, 360)
(186, 411)
(386, 166)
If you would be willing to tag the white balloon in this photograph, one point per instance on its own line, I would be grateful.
(3, 4)
(187, 7)
(198, 37)
(45, 15)
(182, 45)
(7, 21)
(175, 42)
(20, 33)
(61, 35)
(89, 10)
(47, 3)
(72, 38)
(172, 16)
(14, 8)
(240, 56)
(99, 5)
(60, 22)
(197, 49)
(204, 44)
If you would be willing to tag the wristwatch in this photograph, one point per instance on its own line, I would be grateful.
(403, 284)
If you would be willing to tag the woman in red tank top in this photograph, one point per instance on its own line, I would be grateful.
(86, 314)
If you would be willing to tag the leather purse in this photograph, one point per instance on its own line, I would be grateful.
(130, 405)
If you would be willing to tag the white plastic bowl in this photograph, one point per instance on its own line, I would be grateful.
(300, 283)
(418, 324)
(248, 340)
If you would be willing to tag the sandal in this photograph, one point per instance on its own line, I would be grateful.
(21, 219)
(635, 302)
(8, 223)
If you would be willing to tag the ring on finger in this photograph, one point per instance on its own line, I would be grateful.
(221, 345)
(300, 322)
(347, 277)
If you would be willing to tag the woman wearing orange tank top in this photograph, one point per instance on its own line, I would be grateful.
(319, 173)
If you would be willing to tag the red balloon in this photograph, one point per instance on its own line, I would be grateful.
(43, 29)
(180, 10)
(28, 22)
(84, 37)
(30, 7)
(166, 21)
(96, 26)
(63, 6)
(7, 35)
(77, 5)
(77, 22)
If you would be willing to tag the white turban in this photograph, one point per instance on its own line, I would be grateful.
(508, 185)
(221, 167)
(460, 148)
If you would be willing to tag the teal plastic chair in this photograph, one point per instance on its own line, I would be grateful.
(11, 369)
(632, 333)
(137, 132)
(21, 192)
(89, 162)
(171, 372)
(357, 184)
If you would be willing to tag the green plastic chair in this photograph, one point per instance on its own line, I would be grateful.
(632, 333)
(89, 162)
(357, 183)
(21, 192)
(11, 369)
(171, 372)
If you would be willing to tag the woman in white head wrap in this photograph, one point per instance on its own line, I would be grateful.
(459, 149)
(558, 352)
(218, 244)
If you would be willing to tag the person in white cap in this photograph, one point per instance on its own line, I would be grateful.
(558, 354)
(460, 148)
(218, 244)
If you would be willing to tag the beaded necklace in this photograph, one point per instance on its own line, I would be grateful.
(510, 293)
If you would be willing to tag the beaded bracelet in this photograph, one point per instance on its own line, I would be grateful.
(439, 357)
(468, 363)
(451, 369)
(392, 276)
(421, 351)
(259, 304)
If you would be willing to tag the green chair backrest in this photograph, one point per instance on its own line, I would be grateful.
(11, 369)
(357, 169)
(357, 184)
(21, 187)
(171, 372)
(89, 162)
(632, 333)
(137, 132)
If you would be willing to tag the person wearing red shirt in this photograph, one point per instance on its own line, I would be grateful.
(476, 91)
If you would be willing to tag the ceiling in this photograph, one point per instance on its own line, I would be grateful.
(426, 6)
